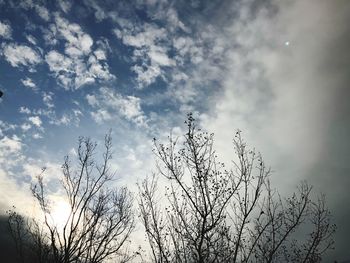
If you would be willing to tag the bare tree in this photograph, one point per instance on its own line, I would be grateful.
(31, 241)
(18, 232)
(215, 214)
(101, 218)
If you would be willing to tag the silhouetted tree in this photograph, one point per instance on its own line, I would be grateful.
(101, 218)
(31, 242)
(215, 214)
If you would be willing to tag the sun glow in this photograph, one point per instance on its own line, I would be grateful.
(60, 212)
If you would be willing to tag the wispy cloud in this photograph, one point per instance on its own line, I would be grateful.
(150, 54)
(26, 126)
(41, 10)
(10, 157)
(108, 103)
(35, 120)
(28, 82)
(31, 39)
(65, 5)
(10, 145)
(47, 99)
(80, 64)
(77, 43)
(24, 110)
(274, 69)
(10, 152)
(18, 55)
(5, 30)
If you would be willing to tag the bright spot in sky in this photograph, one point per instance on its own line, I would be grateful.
(60, 212)
(287, 43)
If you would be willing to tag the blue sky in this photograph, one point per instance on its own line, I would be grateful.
(278, 70)
(62, 63)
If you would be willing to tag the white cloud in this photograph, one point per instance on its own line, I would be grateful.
(77, 113)
(42, 12)
(175, 22)
(147, 36)
(24, 110)
(47, 99)
(165, 52)
(10, 152)
(13, 194)
(50, 35)
(65, 5)
(10, 145)
(188, 49)
(99, 70)
(101, 115)
(73, 152)
(78, 43)
(32, 169)
(35, 120)
(158, 56)
(146, 75)
(5, 30)
(75, 73)
(39, 9)
(18, 55)
(5, 126)
(150, 54)
(92, 100)
(100, 54)
(80, 65)
(37, 136)
(280, 96)
(28, 82)
(26, 126)
(62, 66)
(109, 103)
(100, 14)
(67, 118)
(31, 39)
(58, 62)
(130, 107)
(18, 194)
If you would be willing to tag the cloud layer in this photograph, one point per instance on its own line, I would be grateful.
(277, 70)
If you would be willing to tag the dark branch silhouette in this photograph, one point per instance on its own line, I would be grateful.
(216, 214)
(101, 218)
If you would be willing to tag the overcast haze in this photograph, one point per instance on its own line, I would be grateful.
(277, 70)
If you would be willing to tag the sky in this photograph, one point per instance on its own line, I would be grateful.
(277, 70)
